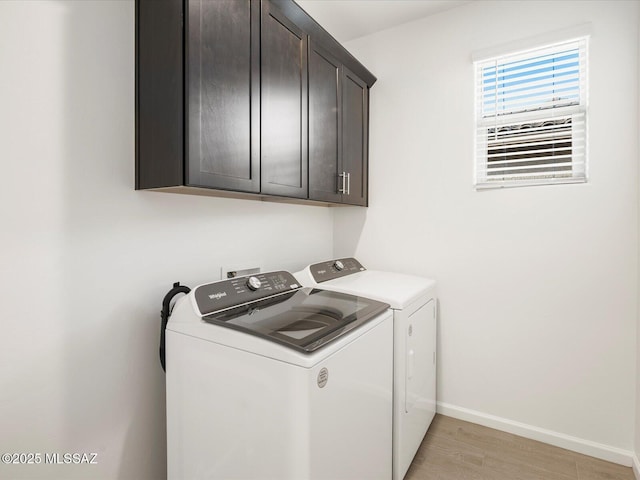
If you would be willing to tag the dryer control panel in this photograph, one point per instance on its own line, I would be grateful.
(331, 269)
(224, 294)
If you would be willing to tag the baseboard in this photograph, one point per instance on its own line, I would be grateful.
(586, 447)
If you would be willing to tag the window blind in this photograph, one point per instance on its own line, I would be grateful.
(531, 117)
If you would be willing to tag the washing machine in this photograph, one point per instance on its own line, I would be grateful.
(269, 380)
(413, 302)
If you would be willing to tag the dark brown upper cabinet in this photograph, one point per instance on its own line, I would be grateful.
(284, 105)
(338, 131)
(223, 94)
(325, 120)
(355, 138)
(198, 95)
(249, 99)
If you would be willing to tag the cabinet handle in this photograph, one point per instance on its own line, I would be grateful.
(348, 184)
(411, 359)
(344, 179)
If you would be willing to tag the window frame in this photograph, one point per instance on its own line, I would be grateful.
(530, 122)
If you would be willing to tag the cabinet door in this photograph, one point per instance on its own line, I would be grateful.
(325, 123)
(283, 105)
(223, 94)
(355, 131)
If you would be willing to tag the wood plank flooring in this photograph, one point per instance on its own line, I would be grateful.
(458, 450)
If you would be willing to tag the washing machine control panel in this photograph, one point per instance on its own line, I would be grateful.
(331, 269)
(224, 294)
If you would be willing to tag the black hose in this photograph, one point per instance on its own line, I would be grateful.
(164, 316)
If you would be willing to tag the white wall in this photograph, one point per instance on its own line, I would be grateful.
(538, 285)
(86, 260)
(636, 466)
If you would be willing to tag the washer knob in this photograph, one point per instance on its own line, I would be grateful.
(338, 265)
(253, 283)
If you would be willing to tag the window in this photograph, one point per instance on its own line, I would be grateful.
(531, 117)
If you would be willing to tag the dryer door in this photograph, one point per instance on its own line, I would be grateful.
(420, 385)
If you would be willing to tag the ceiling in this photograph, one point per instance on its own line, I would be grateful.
(349, 19)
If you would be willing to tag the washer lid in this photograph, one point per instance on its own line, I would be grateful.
(397, 289)
(303, 320)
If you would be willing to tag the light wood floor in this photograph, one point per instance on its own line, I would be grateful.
(458, 450)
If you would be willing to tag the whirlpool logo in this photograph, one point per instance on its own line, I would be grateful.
(217, 296)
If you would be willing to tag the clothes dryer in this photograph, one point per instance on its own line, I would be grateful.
(413, 302)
